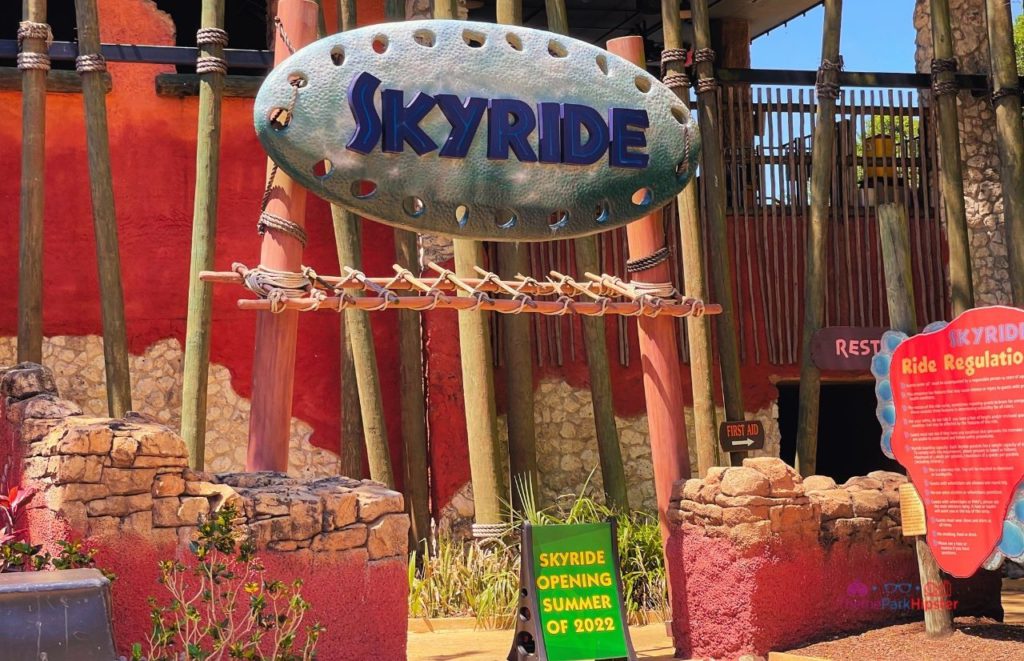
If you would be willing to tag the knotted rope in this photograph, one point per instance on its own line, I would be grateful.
(679, 79)
(94, 63)
(277, 286)
(211, 63)
(484, 531)
(269, 221)
(648, 262)
(943, 87)
(705, 83)
(828, 89)
(32, 30)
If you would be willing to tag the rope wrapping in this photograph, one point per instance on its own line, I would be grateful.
(650, 261)
(1004, 92)
(269, 221)
(211, 64)
(95, 63)
(828, 89)
(485, 531)
(33, 30)
(677, 81)
(704, 55)
(944, 87)
(211, 37)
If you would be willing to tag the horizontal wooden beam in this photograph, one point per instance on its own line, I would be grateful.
(57, 81)
(846, 78)
(187, 84)
(67, 51)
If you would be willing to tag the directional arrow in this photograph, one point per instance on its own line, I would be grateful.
(741, 435)
(746, 441)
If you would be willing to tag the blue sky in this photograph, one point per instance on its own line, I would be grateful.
(878, 35)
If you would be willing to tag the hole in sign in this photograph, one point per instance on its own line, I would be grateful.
(556, 49)
(643, 83)
(380, 44)
(601, 212)
(514, 41)
(297, 79)
(602, 64)
(506, 219)
(643, 196)
(414, 206)
(363, 189)
(424, 38)
(558, 219)
(279, 118)
(322, 168)
(338, 56)
(679, 114)
(473, 38)
(462, 215)
(524, 614)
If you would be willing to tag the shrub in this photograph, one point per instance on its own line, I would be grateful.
(222, 606)
(481, 579)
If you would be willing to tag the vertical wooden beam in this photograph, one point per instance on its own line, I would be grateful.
(721, 260)
(273, 374)
(695, 277)
(413, 397)
(91, 66)
(899, 287)
(609, 452)
(951, 174)
(815, 252)
(1006, 97)
(204, 236)
(486, 473)
(663, 387)
(33, 179)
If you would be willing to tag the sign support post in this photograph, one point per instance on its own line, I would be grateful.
(899, 287)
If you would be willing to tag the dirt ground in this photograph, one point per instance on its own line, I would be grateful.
(974, 640)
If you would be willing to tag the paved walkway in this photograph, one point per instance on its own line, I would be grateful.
(650, 641)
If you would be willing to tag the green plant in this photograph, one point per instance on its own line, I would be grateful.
(482, 580)
(222, 606)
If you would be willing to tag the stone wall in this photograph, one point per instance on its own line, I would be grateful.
(77, 365)
(123, 485)
(762, 560)
(982, 187)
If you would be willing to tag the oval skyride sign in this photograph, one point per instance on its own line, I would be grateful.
(477, 130)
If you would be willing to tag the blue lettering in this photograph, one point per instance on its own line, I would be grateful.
(574, 150)
(360, 102)
(621, 122)
(549, 127)
(464, 120)
(402, 123)
(509, 122)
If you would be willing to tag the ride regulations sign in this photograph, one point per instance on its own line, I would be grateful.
(951, 404)
(571, 607)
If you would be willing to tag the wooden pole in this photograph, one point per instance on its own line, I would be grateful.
(899, 287)
(514, 259)
(486, 473)
(204, 233)
(1007, 101)
(663, 386)
(352, 451)
(815, 252)
(413, 397)
(609, 452)
(273, 375)
(951, 174)
(695, 277)
(33, 179)
(708, 115)
(91, 66)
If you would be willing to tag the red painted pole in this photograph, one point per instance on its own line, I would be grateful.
(663, 386)
(273, 374)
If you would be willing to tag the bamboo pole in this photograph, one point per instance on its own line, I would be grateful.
(273, 375)
(951, 174)
(486, 473)
(899, 287)
(663, 389)
(204, 235)
(708, 115)
(33, 179)
(413, 397)
(1007, 101)
(513, 260)
(352, 451)
(695, 279)
(613, 473)
(91, 66)
(817, 245)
